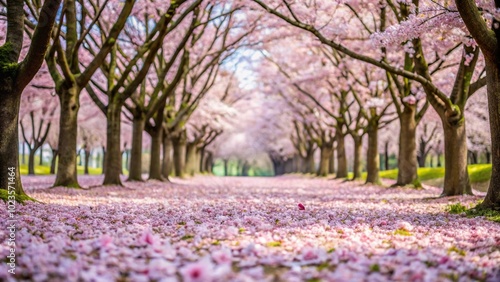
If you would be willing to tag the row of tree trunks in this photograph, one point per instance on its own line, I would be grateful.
(170, 153)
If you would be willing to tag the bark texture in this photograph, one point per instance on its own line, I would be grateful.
(341, 157)
(66, 165)
(166, 166)
(135, 172)
(456, 176)
(113, 161)
(356, 167)
(407, 153)
(53, 161)
(155, 160)
(325, 156)
(373, 157)
(179, 143)
(492, 199)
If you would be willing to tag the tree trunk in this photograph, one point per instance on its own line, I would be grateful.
(31, 162)
(422, 152)
(166, 166)
(287, 167)
(488, 157)
(226, 172)
(341, 157)
(135, 172)
(9, 143)
(386, 156)
(278, 166)
(23, 148)
(325, 156)
(421, 160)
(113, 160)
(79, 157)
(238, 168)
(103, 160)
(407, 155)
(53, 162)
(456, 176)
(191, 159)
(372, 156)
(295, 164)
(179, 144)
(155, 160)
(246, 169)
(68, 124)
(473, 157)
(492, 199)
(87, 161)
(358, 146)
(41, 155)
(197, 165)
(208, 162)
(201, 158)
(331, 162)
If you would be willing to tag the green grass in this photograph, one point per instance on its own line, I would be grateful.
(492, 215)
(389, 174)
(489, 214)
(457, 208)
(478, 173)
(45, 170)
(39, 170)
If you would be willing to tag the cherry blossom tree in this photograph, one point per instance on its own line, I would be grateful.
(211, 118)
(133, 55)
(17, 69)
(427, 17)
(71, 68)
(487, 40)
(208, 49)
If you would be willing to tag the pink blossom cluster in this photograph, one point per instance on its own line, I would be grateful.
(287, 228)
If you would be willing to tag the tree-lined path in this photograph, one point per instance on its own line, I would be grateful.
(372, 129)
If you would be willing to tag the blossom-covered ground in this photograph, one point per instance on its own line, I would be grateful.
(248, 229)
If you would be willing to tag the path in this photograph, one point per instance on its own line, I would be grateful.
(249, 229)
